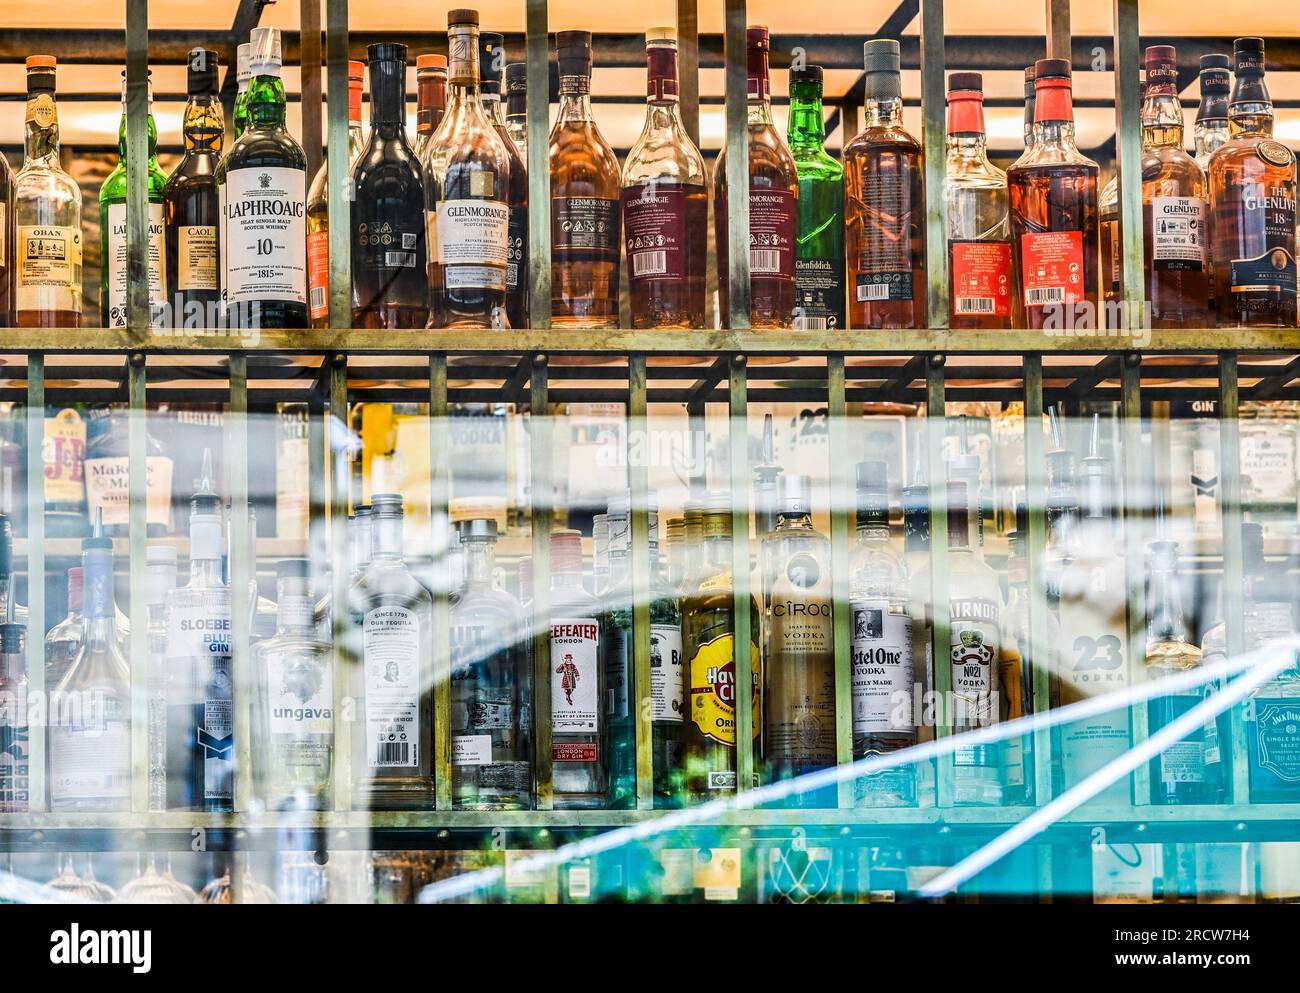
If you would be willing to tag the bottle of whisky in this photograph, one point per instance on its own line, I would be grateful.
(467, 187)
(107, 473)
(665, 203)
(585, 190)
(975, 214)
(491, 686)
(1108, 212)
(243, 76)
(1211, 130)
(799, 646)
(393, 756)
(262, 184)
(492, 61)
(885, 203)
(517, 106)
(1252, 200)
(773, 202)
(1174, 203)
(191, 206)
(47, 215)
(318, 207)
(389, 262)
(1054, 218)
(819, 232)
(15, 731)
(430, 99)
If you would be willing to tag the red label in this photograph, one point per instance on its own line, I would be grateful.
(578, 751)
(981, 278)
(771, 233)
(1052, 268)
(318, 273)
(654, 222)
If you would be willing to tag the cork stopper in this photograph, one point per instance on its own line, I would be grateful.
(1051, 69)
(462, 15)
(573, 52)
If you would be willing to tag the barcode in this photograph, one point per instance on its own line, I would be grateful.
(317, 298)
(512, 275)
(400, 260)
(393, 753)
(764, 261)
(649, 263)
(811, 324)
(1045, 295)
(873, 291)
(976, 305)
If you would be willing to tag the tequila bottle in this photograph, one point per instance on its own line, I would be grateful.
(15, 796)
(491, 686)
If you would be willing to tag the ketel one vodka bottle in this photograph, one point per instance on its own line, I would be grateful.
(90, 709)
(799, 645)
(392, 765)
(202, 714)
(491, 686)
(294, 715)
(578, 767)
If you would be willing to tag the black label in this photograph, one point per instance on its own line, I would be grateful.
(517, 248)
(1275, 270)
(585, 228)
(819, 294)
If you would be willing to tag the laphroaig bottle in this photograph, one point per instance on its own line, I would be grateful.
(819, 232)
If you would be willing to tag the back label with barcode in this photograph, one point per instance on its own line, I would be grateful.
(819, 294)
(875, 287)
(391, 653)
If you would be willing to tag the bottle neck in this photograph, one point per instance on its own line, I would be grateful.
(1251, 109)
(151, 130)
(575, 99)
(1165, 609)
(205, 550)
(204, 129)
(873, 524)
(807, 127)
(966, 148)
(388, 98)
(883, 112)
(1162, 120)
(717, 551)
(295, 606)
(266, 103)
(566, 579)
(480, 562)
(98, 608)
(41, 141)
(431, 101)
(387, 539)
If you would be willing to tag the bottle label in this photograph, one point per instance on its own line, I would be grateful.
(1051, 264)
(654, 221)
(883, 675)
(819, 294)
(318, 274)
(63, 453)
(713, 691)
(264, 241)
(473, 233)
(301, 692)
(116, 262)
(1111, 235)
(108, 489)
(391, 659)
(667, 692)
(772, 217)
(1273, 271)
(981, 278)
(199, 641)
(1178, 234)
(471, 749)
(196, 257)
(1269, 621)
(1275, 743)
(884, 256)
(1268, 462)
(14, 749)
(48, 275)
(575, 664)
(383, 245)
(1183, 761)
(517, 248)
(585, 229)
(4, 237)
(90, 750)
(974, 647)
(877, 287)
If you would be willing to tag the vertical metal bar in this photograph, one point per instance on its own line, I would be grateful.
(940, 645)
(932, 99)
(541, 488)
(340, 174)
(346, 668)
(1058, 29)
(638, 438)
(439, 494)
(1134, 507)
(841, 508)
(36, 571)
(1036, 504)
(138, 524)
(738, 443)
(309, 66)
(242, 572)
(1128, 151)
(1233, 592)
(688, 65)
(137, 166)
(317, 519)
(737, 88)
(539, 169)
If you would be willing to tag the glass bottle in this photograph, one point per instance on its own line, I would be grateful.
(262, 184)
(491, 686)
(1031, 98)
(318, 206)
(819, 231)
(467, 188)
(393, 759)
(665, 203)
(492, 62)
(1054, 219)
(517, 106)
(63, 641)
(618, 658)
(7, 252)
(773, 202)
(884, 675)
(1208, 133)
(294, 713)
(112, 229)
(90, 708)
(975, 214)
(190, 202)
(107, 473)
(585, 191)
(47, 215)
(160, 580)
(430, 99)
(15, 732)
(1252, 201)
(667, 684)
(243, 76)
(1174, 207)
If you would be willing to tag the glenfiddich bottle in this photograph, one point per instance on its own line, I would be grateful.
(389, 260)
(263, 189)
(190, 202)
(112, 230)
(467, 185)
(492, 61)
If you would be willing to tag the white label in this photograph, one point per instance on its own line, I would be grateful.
(301, 693)
(391, 658)
(1268, 461)
(1183, 762)
(117, 273)
(667, 696)
(108, 488)
(199, 641)
(473, 232)
(1178, 230)
(296, 612)
(575, 661)
(48, 273)
(264, 238)
(579, 882)
(471, 749)
(974, 649)
(90, 762)
(882, 668)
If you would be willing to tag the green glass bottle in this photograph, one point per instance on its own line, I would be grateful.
(819, 248)
(112, 231)
(243, 76)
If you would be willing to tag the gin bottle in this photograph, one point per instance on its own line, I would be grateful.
(15, 732)
(160, 580)
(667, 686)
(618, 658)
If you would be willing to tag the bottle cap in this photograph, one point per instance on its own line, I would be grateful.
(1161, 67)
(566, 551)
(1051, 69)
(243, 63)
(293, 569)
(806, 74)
(389, 51)
(491, 59)
(1214, 61)
(357, 71)
(795, 494)
(201, 73)
(882, 63)
(76, 588)
(717, 516)
(430, 63)
(462, 15)
(517, 77)
(1248, 54)
(661, 35)
(479, 527)
(387, 505)
(573, 52)
(965, 81)
(42, 62)
(966, 103)
(264, 57)
(757, 38)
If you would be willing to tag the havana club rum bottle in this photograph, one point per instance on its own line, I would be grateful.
(492, 61)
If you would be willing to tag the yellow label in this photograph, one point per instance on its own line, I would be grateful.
(49, 268)
(482, 185)
(713, 689)
(40, 110)
(196, 257)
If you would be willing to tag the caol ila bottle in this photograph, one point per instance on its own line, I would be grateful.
(388, 244)
(263, 191)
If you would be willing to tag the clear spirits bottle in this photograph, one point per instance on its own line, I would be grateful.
(294, 712)
(318, 206)
(90, 708)
(819, 272)
(430, 99)
(492, 64)
(243, 76)
(160, 580)
(618, 658)
(47, 215)
(393, 759)
(63, 641)
(491, 686)
(667, 684)
(15, 732)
